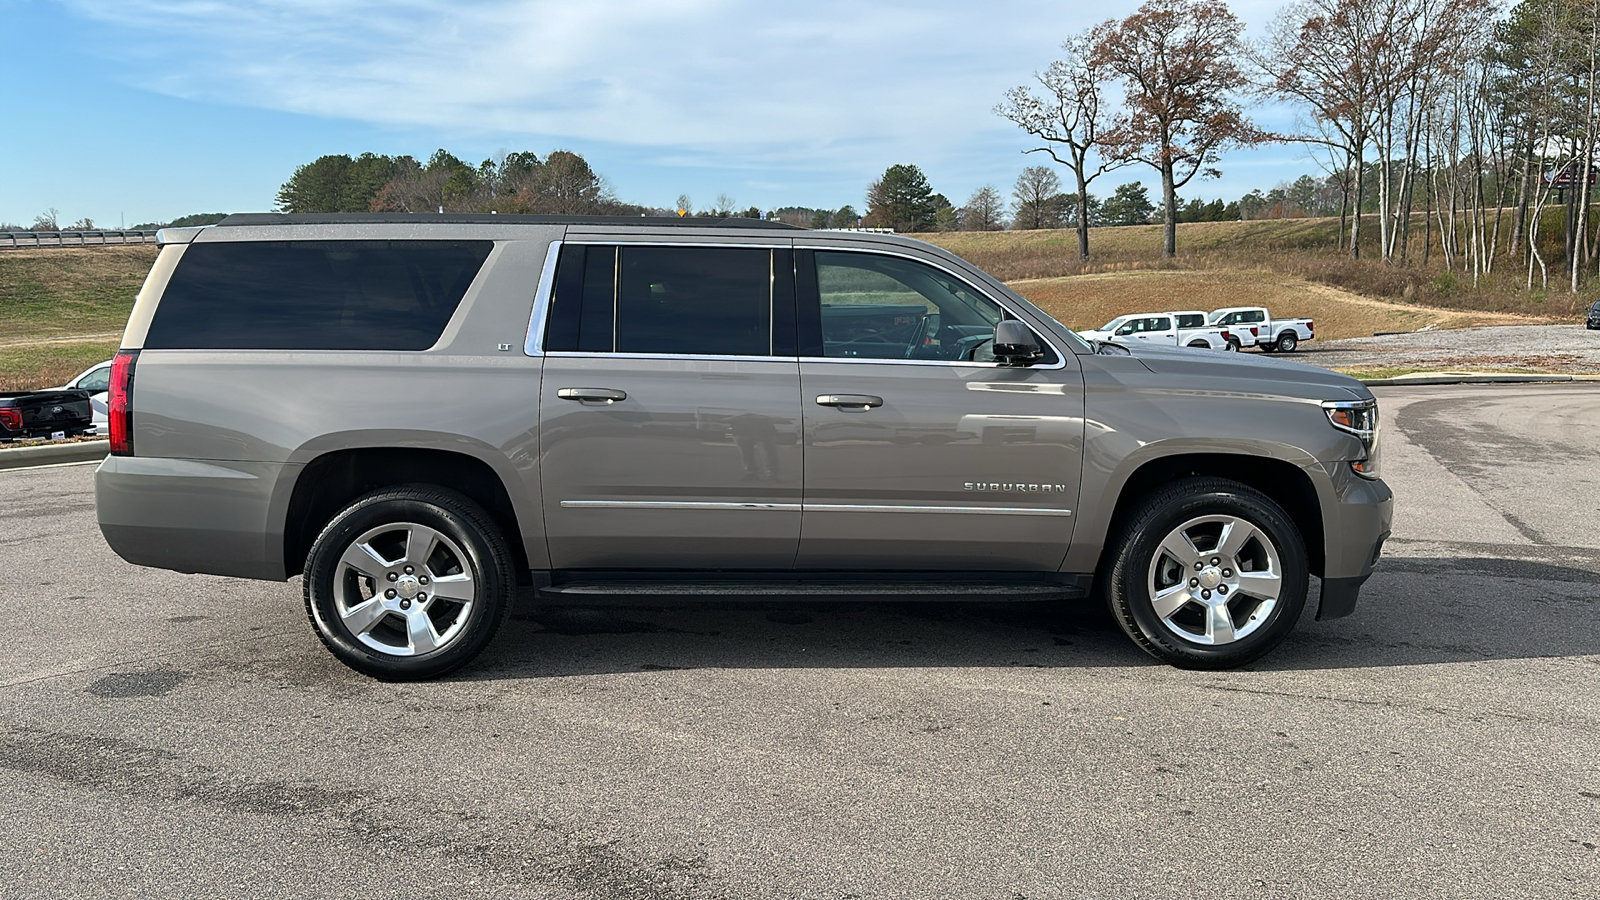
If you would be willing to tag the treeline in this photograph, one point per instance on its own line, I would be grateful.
(561, 183)
(903, 200)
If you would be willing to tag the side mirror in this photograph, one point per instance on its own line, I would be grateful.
(1014, 344)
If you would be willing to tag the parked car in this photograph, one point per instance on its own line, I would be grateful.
(1165, 329)
(1271, 335)
(428, 411)
(96, 380)
(1594, 316)
(42, 414)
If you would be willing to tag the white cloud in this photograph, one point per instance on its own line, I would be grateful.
(718, 77)
(827, 87)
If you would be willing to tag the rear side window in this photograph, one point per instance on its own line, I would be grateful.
(700, 301)
(314, 295)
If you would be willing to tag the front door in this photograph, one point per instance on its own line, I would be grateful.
(668, 419)
(920, 452)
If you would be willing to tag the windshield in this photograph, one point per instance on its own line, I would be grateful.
(1215, 317)
(1111, 325)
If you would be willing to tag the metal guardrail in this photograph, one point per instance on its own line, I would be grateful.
(92, 238)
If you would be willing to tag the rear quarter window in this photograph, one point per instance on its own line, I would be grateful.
(314, 295)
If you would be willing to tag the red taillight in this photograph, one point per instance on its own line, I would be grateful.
(11, 418)
(1226, 335)
(1254, 331)
(1310, 325)
(119, 405)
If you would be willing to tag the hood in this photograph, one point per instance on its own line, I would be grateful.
(1202, 366)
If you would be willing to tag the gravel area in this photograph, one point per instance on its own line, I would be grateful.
(1542, 348)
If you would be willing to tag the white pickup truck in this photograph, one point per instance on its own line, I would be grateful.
(1254, 326)
(1172, 329)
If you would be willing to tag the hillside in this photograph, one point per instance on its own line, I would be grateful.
(62, 309)
(1299, 248)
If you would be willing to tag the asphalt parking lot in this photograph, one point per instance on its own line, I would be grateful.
(186, 736)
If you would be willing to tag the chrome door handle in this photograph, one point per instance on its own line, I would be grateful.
(601, 395)
(849, 401)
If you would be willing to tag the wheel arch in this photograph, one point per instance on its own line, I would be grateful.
(331, 480)
(1287, 483)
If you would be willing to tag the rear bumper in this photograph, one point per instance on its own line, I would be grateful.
(199, 516)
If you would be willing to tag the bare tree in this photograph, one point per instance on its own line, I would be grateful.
(984, 210)
(1177, 61)
(1036, 199)
(46, 221)
(1317, 53)
(1070, 117)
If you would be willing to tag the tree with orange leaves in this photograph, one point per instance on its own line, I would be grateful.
(1177, 61)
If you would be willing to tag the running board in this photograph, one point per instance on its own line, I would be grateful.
(679, 590)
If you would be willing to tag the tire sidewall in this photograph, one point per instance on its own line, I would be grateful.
(489, 577)
(1131, 592)
(1287, 343)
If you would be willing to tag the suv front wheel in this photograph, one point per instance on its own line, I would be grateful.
(408, 583)
(1208, 574)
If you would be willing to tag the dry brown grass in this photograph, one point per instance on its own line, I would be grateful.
(31, 366)
(1305, 249)
(1087, 301)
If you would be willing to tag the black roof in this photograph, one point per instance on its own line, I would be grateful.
(489, 219)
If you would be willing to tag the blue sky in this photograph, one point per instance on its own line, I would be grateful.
(144, 110)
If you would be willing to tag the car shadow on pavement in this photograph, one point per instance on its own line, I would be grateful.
(548, 641)
(1414, 611)
(1421, 611)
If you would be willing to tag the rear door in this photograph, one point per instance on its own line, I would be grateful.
(920, 452)
(669, 413)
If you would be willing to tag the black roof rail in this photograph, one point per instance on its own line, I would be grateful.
(489, 219)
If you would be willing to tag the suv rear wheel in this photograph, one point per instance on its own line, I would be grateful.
(408, 583)
(1208, 574)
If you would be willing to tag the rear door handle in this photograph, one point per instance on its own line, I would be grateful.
(600, 395)
(849, 401)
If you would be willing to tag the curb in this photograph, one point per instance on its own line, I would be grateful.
(1470, 378)
(52, 454)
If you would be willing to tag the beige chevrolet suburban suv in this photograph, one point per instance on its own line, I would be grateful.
(419, 414)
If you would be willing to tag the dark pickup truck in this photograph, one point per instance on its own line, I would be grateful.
(27, 414)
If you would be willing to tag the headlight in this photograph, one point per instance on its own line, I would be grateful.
(1360, 418)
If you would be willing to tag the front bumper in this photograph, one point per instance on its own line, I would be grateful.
(1363, 519)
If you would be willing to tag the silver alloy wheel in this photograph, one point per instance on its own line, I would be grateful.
(1215, 580)
(404, 589)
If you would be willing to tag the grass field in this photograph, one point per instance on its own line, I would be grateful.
(67, 291)
(1088, 301)
(1305, 249)
(62, 309)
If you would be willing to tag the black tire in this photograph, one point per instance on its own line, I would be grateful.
(1234, 345)
(1287, 342)
(469, 545)
(1268, 347)
(1131, 575)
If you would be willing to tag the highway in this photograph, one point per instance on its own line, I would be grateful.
(176, 736)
